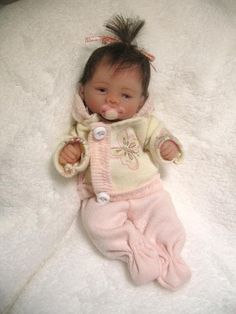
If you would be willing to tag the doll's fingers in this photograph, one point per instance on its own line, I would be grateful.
(62, 161)
(65, 160)
(170, 156)
(169, 147)
(68, 154)
(74, 149)
(68, 148)
(174, 150)
(166, 149)
(168, 144)
(166, 156)
(164, 145)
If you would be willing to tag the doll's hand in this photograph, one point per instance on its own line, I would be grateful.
(169, 150)
(70, 154)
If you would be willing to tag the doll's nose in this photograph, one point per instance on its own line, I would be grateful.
(112, 99)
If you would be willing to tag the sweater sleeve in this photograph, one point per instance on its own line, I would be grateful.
(70, 170)
(156, 136)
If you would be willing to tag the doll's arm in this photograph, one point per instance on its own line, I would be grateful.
(71, 169)
(158, 139)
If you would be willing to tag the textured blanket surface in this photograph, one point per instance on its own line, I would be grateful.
(47, 264)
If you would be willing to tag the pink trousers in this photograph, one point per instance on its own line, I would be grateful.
(144, 232)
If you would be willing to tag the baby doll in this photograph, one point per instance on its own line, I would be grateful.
(116, 146)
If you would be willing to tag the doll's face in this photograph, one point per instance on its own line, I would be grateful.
(113, 93)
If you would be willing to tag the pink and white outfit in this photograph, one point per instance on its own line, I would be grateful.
(125, 210)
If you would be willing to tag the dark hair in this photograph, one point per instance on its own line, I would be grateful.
(123, 53)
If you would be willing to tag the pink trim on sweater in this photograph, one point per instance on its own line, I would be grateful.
(100, 160)
(153, 185)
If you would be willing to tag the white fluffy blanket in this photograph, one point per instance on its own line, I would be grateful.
(47, 264)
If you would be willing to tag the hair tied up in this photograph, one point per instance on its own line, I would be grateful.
(118, 49)
(125, 29)
(106, 40)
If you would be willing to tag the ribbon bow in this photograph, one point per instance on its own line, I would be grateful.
(105, 40)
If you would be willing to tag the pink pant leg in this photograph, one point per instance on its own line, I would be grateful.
(115, 235)
(156, 218)
(146, 233)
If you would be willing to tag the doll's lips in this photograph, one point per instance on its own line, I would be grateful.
(111, 114)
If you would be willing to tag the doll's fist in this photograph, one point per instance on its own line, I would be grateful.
(70, 154)
(169, 150)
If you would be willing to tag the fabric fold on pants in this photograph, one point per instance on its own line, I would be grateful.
(145, 233)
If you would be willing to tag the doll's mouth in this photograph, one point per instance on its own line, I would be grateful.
(110, 114)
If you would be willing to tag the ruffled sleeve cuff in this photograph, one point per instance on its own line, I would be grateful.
(159, 140)
(70, 170)
(179, 158)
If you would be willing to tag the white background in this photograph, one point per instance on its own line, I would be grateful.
(47, 264)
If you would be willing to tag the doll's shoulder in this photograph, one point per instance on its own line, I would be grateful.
(153, 121)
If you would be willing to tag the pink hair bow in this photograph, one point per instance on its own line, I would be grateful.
(105, 40)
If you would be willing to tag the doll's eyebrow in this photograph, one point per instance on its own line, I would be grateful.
(100, 83)
(129, 89)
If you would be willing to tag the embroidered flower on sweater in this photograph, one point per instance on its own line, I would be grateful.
(128, 150)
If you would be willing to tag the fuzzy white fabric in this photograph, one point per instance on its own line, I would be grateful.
(47, 264)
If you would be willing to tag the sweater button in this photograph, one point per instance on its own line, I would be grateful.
(103, 198)
(99, 133)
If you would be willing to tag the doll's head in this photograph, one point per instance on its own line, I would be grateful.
(115, 79)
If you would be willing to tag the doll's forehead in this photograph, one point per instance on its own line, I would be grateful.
(117, 70)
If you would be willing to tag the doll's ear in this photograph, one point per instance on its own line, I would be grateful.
(81, 91)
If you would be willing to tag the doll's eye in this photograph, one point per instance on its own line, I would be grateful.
(101, 90)
(126, 96)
